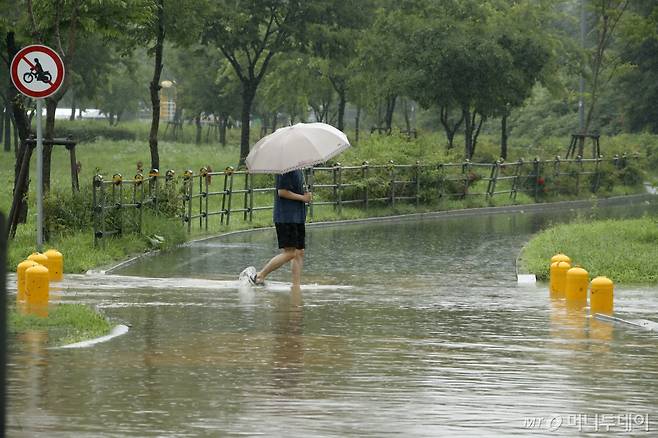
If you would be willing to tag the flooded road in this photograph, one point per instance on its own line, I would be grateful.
(410, 328)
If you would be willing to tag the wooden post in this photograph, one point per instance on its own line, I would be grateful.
(230, 196)
(309, 182)
(392, 182)
(334, 172)
(535, 171)
(579, 167)
(189, 175)
(364, 175)
(247, 192)
(340, 188)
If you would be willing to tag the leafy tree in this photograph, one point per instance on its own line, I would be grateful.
(178, 22)
(381, 69)
(638, 86)
(62, 25)
(250, 33)
(602, 63)
(335, 41)
(206, 86)
(123, 91)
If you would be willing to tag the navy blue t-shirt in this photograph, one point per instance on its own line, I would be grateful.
(288, 211)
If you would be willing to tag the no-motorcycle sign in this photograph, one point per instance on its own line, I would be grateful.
(37, 71)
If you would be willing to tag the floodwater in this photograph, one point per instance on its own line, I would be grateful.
(409, 328)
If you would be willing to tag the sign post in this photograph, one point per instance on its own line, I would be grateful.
(38, 71)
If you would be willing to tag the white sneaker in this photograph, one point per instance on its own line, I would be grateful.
(246, 274)
(249, 275)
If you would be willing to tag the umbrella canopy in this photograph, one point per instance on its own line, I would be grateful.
(295, 147)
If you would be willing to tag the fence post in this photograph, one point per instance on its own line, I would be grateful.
(153, 187)
(597, 174)
(98, 207)
(493, 178)
(364, 177)
(440, 181)
(339, 188)
(579, 170)
(189, 190)
(138, 186)
(309, 182)
(247, 192)
(515, 181)
(117, 181)
(417, 169)
(392, 181)
(229, 172)
(535, 171)
(203, 172)
(224, 193)
(466, 167)
(334, 172)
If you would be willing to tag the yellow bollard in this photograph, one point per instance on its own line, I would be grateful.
(559, 276)
(20, 278)
(556, 258)
(55, 264)
(577, 280)
(601, 296)
(560, 258)
(36, 285)
(38, 257)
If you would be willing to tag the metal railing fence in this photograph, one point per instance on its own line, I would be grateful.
(198, 197)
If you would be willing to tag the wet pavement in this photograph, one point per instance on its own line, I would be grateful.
(408, 328)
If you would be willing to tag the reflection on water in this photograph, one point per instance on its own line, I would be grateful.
(433, 337)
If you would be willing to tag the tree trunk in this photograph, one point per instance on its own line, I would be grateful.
(342, 102)
(223, 121)
(468, 133)
(155, 89)
(390, 110)
(248, 94)
(503, 137)
(476, 132)
(357, 120)
(197, 121)
(49, 134)
(407, 120)
(72, 116)
(7, 128)
(22, 167)
(449, 129)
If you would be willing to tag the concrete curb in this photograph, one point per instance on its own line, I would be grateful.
(117, 330)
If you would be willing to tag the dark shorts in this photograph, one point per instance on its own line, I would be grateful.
(290, 235)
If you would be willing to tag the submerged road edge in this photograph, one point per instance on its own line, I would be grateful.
(481, 211)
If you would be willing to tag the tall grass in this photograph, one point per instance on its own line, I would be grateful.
(626, 251)
(65, 324)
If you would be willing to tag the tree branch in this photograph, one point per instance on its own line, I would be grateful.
(33, 21)
(234, 62)
(73, 29)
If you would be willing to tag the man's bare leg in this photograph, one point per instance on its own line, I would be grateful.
(296, 267)
(287, 254)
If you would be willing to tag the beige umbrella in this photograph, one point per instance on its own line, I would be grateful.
(296, 147)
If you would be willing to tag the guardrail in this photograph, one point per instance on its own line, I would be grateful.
(118, 203)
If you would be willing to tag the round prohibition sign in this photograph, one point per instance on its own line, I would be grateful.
(37, 71)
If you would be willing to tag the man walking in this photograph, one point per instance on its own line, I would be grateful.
(289, 219)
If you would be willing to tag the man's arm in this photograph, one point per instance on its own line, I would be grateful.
(287, 194)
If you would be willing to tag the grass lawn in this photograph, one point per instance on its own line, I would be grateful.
(65, 324)
(626, 251)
